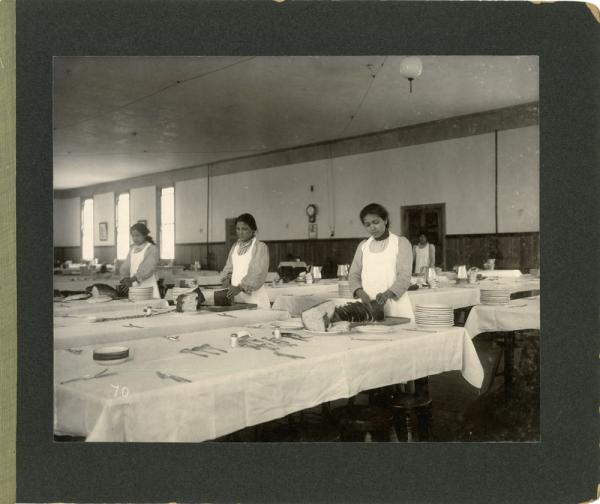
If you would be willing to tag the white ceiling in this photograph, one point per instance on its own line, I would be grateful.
(120, 117)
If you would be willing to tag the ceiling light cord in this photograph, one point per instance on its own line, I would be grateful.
(161, 90)
(373, 77)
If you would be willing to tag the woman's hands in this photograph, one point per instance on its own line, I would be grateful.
(382, 297)
(127, 282)
(363, 296)
(233, 291)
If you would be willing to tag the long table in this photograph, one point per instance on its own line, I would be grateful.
(83, 307)
(517, 315)
(456, 296)
(72, 332)
(242, 387)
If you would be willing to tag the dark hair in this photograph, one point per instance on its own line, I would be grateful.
(141, 228)
(375, 209)
(247, 218)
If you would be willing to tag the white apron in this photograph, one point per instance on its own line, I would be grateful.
(240, 269)
(379, 274)
(136, 259)
(421, 258)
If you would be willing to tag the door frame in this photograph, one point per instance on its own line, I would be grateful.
(403, 224)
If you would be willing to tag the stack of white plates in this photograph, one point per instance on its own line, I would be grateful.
(140, 293)
(436, 315)
(344, 290)
(495, 296)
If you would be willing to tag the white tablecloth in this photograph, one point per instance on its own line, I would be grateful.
(456, 296)
(519, 314)
(74, 332)
(243, 387)
(82, 307)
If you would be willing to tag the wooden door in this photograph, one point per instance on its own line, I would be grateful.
(429, 219)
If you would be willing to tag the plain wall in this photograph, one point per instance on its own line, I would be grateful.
(142, 206)
(457, 172)
(67, 222)
(104, 211)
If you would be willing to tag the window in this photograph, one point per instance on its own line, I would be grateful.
(87, 230)
(167, 223)
(122, 226)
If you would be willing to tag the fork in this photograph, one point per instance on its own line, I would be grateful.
(223, 314)
(133, 325)
(173, 338)
(101, 374)
(179, 379)
(190, 351)
(76, 351)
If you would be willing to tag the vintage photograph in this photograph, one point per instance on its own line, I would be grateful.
(296, 249)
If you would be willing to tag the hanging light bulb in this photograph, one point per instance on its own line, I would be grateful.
(411, 68)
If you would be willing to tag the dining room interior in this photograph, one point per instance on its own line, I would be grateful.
(180, 150)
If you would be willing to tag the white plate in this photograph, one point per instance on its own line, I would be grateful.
(434, 307)
(113, 362)
(374, 329)
(448, 326)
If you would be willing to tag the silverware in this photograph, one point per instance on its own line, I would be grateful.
(277, 352)
(76, 351)
(370, 339)
(419, 330)
(517, 306)
(204, 349)
(101, 374)
(172, 338)
(190, 351)
(294, 336)
(210, 347)
(176, 378)
(133, 325)
(223, 314)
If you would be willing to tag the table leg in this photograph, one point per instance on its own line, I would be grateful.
(509, 344)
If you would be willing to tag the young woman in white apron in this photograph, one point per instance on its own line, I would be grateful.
(424, 254)
(139, 269)
(381, 268)
(247, 266)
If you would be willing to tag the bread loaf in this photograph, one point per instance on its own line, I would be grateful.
(318, 318)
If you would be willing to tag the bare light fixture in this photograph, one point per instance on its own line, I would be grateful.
(411, 68)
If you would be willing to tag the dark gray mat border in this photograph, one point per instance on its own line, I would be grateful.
(562, 468)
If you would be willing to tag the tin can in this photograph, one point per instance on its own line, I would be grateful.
(233, 340)
(276, 333)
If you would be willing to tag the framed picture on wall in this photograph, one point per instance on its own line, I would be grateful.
(312, 231)
(103, 231)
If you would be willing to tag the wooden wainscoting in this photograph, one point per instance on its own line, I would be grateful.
(511, 250)
(63, 254)
(212, 256)
(340, 250)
